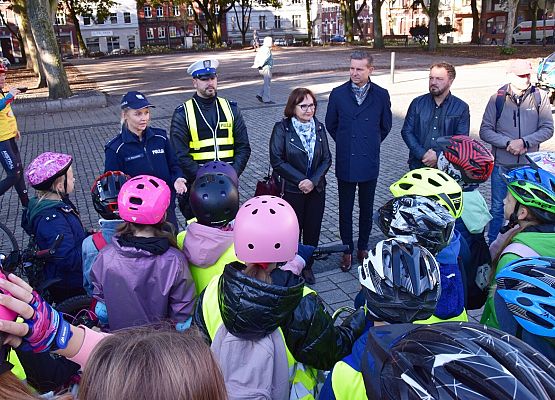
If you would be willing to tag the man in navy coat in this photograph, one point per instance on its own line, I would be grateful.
(358, 119)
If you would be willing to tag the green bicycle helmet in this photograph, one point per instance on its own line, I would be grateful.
(535, 188)
(434, 184)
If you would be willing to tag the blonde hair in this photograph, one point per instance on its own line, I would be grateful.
(154, 364)
(256, 272)
(43, 194)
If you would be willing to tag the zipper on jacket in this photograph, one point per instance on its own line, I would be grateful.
(519, 132)
(304, 151)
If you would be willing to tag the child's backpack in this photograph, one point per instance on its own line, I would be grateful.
(476, 271)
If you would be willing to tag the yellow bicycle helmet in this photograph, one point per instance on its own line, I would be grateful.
(434, 184)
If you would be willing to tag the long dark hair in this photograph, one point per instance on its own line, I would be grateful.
(160, 230)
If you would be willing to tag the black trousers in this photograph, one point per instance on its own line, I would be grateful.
(310, 211)
(10, 159)
(366, 191)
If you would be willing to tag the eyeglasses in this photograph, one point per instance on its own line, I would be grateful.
(305, 107)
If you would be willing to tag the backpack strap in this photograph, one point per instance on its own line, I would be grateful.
(500, 101)
(537, 98)
(99, 241)
(520, 250)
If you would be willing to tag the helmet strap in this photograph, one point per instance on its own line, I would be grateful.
(513, 220)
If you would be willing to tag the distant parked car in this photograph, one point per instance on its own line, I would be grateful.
(337, 39)
(280, 42)
(317, 41)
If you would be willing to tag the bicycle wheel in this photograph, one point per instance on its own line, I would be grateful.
(8, 244)
(77, 310)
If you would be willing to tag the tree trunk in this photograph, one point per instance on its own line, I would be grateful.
(377, 28)
(475, 38)
(534, 27)
(45, 39)
(308, 22)
(347, 21)
(83, 51)
(483, 21)
(33, 60)
(433, 12)
(511, 15)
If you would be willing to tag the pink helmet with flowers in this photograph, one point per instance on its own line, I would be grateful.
(144, 200)
(46, 168)
(266, 230)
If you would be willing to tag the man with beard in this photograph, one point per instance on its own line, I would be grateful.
(516, 121)
(433, 115)
(207, 128)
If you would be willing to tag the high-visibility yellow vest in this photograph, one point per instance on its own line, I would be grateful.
(210, 148)
(301, 378)
(203, 276)
(8, 124)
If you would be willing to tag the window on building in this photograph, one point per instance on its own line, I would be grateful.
(87, 20)
(277, 22)
(131, 41)
(262, 22)
(173, 31)
(176, 11)
(93, 44)
(112, 42)
(113, 18)
(447, 21)
(60, 18)
(161, 32)
(159, 11)
(417, 21)
(296, 21)
(148, 12)
(190, 11)
(150, 33)
(196, 30)
(127, 18)
(297, 1)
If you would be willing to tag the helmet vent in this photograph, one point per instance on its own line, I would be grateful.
(223, 194)
(154, 183)
(140, 186)
(255, 211)
(272, 211)
(136, 200)
(251, 246)
(277, 246)
(434, 182)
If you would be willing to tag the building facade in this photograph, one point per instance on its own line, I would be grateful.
(120, 30)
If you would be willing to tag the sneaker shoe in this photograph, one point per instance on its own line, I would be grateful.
(361, 255)
(345, 264)
(269, 102)
(259, 98)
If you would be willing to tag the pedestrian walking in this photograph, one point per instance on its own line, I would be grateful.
(9, 152)
(255, 44)
(300, 154)
(358, 119)
(207, 127)
(516, 121)
(140, 149)
(264, 61)
(433, 115)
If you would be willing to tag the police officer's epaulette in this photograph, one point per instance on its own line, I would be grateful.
(232, 103)
(180, 107)
(112, 141)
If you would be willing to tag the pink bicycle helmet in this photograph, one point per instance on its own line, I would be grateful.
(46, 168)
(144, 200)
(266, 230)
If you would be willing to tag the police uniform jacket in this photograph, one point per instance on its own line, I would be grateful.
(153, 155)
(181, 137)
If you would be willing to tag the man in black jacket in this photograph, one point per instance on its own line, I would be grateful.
(433, 115)
(207, 128)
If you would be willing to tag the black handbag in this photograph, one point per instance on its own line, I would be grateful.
(270, 185)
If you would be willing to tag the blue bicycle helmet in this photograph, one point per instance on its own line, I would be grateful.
(533, 187)
(527, 286)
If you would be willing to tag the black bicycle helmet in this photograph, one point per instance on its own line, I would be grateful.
(400, 281)
(454, 361)
(425, 220)
(104, 192)
(214, 199)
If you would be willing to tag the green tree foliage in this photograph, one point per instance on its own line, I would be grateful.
(243, 9)
(421, 32)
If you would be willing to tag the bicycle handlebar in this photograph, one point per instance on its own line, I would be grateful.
(325, 250)
(40, 254)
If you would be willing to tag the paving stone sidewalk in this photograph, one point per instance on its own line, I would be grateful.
(163, 79)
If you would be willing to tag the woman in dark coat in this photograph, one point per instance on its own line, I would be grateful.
(300, 155)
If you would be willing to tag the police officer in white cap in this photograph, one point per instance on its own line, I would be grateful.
(207, 128)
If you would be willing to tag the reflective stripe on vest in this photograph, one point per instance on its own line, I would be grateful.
(8, 123)
(302, 378)
(17, 369)
(197, 146)
(347, 383)
(203, 276)
(463, 317)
